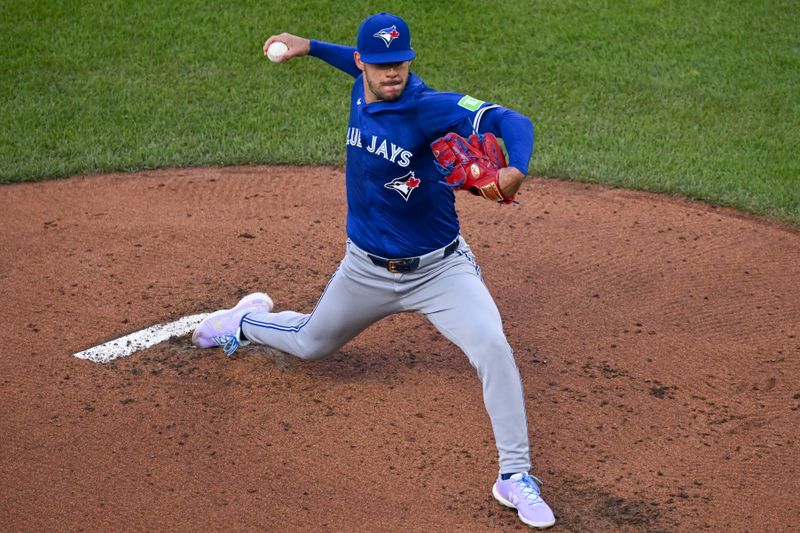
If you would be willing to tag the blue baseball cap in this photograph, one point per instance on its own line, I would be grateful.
(385, 38)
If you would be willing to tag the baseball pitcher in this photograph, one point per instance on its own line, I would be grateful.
(410, 149)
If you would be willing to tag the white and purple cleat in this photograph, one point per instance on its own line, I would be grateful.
(521, 492)
(224, 328)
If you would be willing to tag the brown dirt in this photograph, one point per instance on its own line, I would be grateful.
(658, 340)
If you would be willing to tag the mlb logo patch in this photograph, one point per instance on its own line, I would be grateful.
(387, 35)
(404, 185)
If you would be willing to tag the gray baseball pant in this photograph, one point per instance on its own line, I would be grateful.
(450, 292)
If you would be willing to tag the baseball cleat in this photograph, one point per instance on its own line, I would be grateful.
(224, 328)
(521, 492)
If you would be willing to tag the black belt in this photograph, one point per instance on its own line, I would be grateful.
(408, 264)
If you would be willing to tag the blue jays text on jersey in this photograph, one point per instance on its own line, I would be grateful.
(382, 147)
(397, 203)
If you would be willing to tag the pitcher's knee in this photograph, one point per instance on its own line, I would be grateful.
(312, 356)
(491, 352)
(314, 351)
(496, 344)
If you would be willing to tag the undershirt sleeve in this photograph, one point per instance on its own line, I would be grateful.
(336, 55)
(515, 129)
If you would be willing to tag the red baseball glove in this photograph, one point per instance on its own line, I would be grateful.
(472, 164)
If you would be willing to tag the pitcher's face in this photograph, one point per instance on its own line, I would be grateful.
(384, 82)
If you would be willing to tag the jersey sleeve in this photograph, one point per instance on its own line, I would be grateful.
(336, 55)
(441, 113)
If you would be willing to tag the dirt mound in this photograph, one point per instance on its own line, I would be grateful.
(657, 340)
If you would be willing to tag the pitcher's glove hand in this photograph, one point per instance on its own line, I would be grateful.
(472, 164)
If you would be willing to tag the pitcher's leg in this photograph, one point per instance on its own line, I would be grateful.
(461, 308)
(344, 309)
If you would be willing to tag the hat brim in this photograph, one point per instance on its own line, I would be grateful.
(388, 57)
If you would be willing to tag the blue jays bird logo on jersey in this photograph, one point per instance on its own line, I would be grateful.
(388, 35)
(405, 185)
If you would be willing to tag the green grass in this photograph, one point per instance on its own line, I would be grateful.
(696, 98)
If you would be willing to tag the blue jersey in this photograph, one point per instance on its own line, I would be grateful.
(397, 202)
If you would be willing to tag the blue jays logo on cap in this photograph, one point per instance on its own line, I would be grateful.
(384, 38)
(388, 34)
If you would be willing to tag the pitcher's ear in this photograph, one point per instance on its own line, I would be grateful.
(359, 63)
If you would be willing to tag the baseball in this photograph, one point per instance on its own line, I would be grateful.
(276, 50)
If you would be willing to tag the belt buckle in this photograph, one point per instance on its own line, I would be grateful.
(393, 264)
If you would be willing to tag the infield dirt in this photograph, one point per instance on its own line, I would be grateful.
(658, 341)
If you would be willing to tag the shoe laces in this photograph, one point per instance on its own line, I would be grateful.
(229, 343)
(529, 488)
